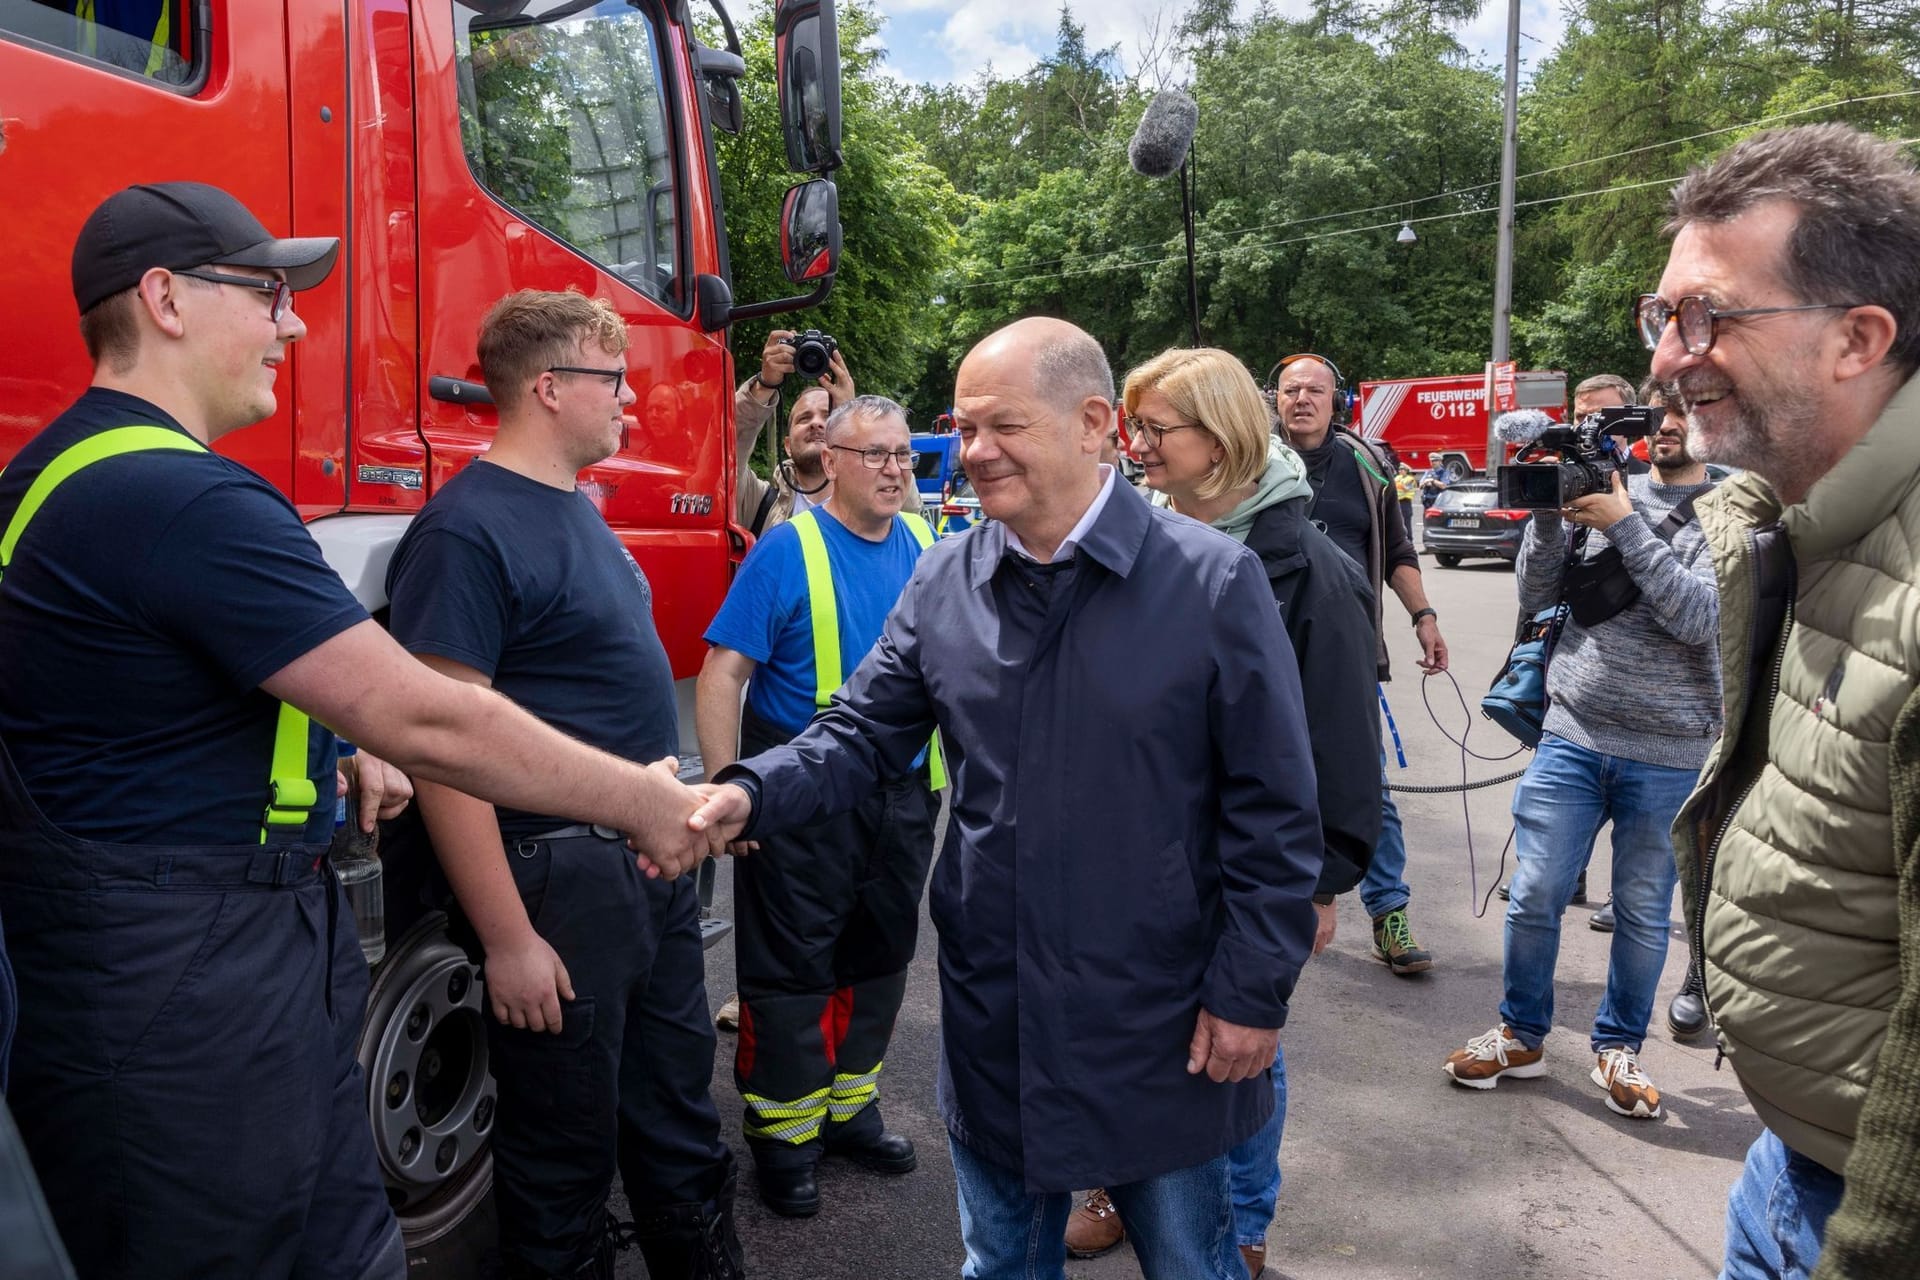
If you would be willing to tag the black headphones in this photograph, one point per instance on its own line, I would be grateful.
(1342, 397)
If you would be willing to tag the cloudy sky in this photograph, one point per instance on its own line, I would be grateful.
(948, 40)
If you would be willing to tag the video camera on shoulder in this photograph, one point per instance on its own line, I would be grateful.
(812, 353)
(1560, 462)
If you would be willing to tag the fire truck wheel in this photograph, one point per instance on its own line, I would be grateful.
(430, 1099)
(1457, 468)
(468, 1250)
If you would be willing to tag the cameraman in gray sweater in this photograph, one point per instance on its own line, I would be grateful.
(1634, 705)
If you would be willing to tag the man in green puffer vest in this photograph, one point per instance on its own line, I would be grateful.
(1788, 319)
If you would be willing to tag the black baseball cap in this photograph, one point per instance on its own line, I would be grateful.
(178, 225)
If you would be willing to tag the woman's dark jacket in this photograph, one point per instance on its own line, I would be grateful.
(1328, 610)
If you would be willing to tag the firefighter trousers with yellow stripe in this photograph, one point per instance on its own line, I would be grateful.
(826, 919)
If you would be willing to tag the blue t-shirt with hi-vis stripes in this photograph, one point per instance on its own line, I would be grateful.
(767, 616)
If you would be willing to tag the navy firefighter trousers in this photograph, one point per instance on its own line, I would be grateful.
(626, 1084)
(828, 918)
(184, 1072)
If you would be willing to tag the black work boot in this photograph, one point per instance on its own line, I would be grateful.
(598, 1265)
(1687, 1015)
(693, 1241)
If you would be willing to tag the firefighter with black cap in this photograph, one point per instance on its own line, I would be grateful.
(171, 646)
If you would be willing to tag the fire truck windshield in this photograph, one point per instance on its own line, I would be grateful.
(564, 117)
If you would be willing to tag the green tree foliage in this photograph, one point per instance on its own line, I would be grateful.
(898, 212)
(1586, 329)
(1638, 92)
(1300, 123)
(969, 205)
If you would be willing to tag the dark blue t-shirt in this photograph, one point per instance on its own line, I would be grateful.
(767, 616)
(526, 584)
(147, 600)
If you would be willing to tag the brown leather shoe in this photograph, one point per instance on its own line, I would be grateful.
(1255, 1256)
(1094, 1227)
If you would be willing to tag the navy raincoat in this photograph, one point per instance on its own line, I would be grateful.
(1133, 833)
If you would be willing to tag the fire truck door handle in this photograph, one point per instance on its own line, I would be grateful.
(458, 390)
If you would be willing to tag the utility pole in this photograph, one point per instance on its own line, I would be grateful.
(1503, 264)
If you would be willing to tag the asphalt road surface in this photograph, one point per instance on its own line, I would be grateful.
(1390, 1170)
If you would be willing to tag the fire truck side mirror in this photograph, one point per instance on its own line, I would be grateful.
(810, 232)
(720, 71)
(807, 61)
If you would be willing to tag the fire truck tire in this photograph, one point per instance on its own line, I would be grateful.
(1458, 468)
(1447, 559)
(468, 1250)
(431, 1100)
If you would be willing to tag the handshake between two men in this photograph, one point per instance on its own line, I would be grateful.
(1221, 1049)
(705, 819)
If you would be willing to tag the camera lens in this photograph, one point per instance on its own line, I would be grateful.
(810, 359)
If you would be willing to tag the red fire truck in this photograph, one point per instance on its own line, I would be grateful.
(1444, 420)
(461, 149)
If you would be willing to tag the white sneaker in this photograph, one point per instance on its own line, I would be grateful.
(1629, 1092)
(1489, 1057)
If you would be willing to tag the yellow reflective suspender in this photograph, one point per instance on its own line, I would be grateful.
(95, 448)
(828, 674)
(291, 793)
(162, 34)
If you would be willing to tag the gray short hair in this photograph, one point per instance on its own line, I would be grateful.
(863, 407)
(1069, 368)
(1606, 382)
(1857, 239)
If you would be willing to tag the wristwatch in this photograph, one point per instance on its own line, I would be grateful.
(771, 386)
(1428, 612)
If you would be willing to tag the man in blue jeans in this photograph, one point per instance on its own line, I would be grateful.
(1639, 581)
(1354, 504)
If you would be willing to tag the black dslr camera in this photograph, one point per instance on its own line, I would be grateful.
(812, 353)
(1582, 460)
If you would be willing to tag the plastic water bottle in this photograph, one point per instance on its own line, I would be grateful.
(356, 861)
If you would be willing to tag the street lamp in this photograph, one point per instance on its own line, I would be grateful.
(1406, 235)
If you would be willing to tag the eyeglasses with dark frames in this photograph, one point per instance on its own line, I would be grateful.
(614, 377)
(282, 291)
(1698, 320)
(875, 458)
(1154, 432)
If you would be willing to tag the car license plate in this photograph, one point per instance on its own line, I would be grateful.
(1458, 523)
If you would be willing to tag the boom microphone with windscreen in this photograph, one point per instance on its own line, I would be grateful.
(1521, 426)
(1165, 133)
(1163, 146)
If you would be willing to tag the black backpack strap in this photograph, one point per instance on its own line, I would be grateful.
(1677, 519)
(1371, 457)
(765, 508)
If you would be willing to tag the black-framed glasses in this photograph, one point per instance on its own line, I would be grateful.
(614, 377)
(1154, 432)
(282, 291)
(876, 458)
(1698, 319)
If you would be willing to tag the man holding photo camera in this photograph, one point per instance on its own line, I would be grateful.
(1644, 610)
(801, 481)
